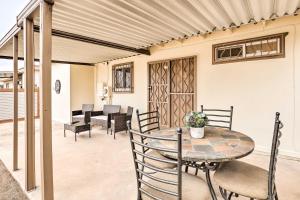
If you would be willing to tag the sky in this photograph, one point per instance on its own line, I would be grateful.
(9, 10)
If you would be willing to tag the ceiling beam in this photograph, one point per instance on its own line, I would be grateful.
(95, 41)
(53, 61)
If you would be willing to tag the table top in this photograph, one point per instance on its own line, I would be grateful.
(218, 145)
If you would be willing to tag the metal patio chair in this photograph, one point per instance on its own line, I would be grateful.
(164, 184)
(240, 178)
(149, 121)
(220, 118)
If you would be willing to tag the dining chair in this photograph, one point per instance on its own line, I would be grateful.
(147, 122)
(240, 178)
(221, 118)
(164, 184)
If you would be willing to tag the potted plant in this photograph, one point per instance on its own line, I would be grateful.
(196, 121)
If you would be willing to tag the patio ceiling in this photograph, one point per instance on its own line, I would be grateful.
(132, 26)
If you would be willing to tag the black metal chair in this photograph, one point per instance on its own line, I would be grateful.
(119, 121)
(163, 184)
(221, 118)
(79, 126)
(240, 178)
(149, 121)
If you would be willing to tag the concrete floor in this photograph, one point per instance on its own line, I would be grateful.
(101, 168)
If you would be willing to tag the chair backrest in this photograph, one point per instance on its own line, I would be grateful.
(129, 112)
(87, 117)
(221, 118)
(273, 158)
(168, 178)
(87, 107)
(148, 121)
(111, 109)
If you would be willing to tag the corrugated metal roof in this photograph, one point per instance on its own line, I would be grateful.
(143, 23)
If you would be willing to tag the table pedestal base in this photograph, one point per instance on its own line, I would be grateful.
(206, 168)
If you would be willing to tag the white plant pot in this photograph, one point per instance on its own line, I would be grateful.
(197, 132)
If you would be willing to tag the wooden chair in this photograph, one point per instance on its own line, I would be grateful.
(119, 121)
(164, 184)
(221, 118)
(149, 121)
(240, 178)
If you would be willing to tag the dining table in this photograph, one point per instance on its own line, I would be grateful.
(217, 146)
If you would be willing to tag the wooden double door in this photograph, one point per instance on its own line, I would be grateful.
(172, 88)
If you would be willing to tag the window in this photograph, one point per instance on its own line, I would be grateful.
(123, 77)
(271, 46)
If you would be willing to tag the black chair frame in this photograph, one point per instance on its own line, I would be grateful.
(272, 192)
(140, 165)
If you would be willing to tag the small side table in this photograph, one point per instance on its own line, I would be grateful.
(77, 127)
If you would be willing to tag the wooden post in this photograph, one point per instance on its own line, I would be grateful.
(29, 106)
(15, 81)
(45, 96)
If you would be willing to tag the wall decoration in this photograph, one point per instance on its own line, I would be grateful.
(57, 86)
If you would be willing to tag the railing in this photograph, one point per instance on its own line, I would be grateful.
(7, 103)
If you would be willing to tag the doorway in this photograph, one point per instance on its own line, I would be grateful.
(172, 88)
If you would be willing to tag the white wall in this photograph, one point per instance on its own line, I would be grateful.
(256, 89)
(77, 88)
(82, 86)
(61, 103)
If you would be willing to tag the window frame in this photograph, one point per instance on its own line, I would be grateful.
(123, 66)
(281, 54)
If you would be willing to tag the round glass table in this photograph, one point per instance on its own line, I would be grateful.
(218, 145)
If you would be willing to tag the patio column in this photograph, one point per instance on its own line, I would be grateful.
(45, 97)
(15, 118)
(29, 105)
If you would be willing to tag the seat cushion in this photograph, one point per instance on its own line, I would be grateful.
(193, 187)
(78, 116)
(154, 163)
(100, 117)
(243, 178)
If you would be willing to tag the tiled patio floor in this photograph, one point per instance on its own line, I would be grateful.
(101, 168)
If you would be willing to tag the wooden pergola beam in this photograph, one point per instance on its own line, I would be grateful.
(53, 61)
(45, 97)
(30, 183)
(15, 89)
(81, 38)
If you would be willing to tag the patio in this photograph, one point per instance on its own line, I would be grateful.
(102, 168)
(167, 58)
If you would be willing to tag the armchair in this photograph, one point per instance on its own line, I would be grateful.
(103, 118)
(78, 115)
(119, 121)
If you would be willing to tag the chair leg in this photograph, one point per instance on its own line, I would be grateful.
(114, 135)
(186, 169)
(90, 134)
(64, 133)
(75, 137)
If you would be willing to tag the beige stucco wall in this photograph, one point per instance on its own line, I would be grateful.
(82, 86)
(256, 89)
(61, 104)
